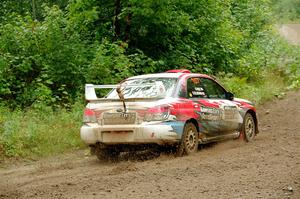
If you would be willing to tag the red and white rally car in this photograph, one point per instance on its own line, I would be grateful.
(175, 108)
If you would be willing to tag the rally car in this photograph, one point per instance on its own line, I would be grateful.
(176, 108)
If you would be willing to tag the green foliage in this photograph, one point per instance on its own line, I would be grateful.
(110, 64)
(48, 61)
(41, 61)
(32, 7)
(181, 33)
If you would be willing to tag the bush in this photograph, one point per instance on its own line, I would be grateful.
(41, 61)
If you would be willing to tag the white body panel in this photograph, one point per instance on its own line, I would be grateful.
(146, 132)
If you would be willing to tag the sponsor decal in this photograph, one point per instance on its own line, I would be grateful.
(230, 112)
(224, 113)
(198, 91)
(210, 113)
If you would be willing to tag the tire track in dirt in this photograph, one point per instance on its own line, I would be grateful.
(269, 167)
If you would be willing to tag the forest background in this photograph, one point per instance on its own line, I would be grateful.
(50, 48)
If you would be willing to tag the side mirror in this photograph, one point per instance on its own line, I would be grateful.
(229, 96)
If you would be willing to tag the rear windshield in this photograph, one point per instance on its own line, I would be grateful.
(157, 87)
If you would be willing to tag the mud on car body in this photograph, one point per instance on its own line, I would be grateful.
(175, 108)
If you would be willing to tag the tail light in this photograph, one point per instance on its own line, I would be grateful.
(158, 113)
(89, 116)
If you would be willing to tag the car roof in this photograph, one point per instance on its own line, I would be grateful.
(169, 75)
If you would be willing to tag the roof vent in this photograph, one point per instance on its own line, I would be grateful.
(178, 71)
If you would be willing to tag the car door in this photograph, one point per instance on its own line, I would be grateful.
(204, 110)
(205, 100)
(218, 114)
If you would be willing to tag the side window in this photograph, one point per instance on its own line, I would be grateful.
(195, 88)
(213, 89)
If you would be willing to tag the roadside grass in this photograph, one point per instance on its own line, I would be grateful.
(260, 91)
(281, 74)
(36, 133)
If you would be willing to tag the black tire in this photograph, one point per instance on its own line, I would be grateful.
(249, 128)
(189, 140)
(107, 153)
(93, 150)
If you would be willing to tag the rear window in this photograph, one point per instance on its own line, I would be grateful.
(158, 87)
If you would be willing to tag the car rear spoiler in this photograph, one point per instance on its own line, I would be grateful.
(90, 93)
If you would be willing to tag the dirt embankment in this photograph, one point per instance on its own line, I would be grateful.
(269, 167)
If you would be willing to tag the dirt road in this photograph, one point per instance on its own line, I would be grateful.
(291, 32)
(269, 167)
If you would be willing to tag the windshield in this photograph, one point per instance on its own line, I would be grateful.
(158, 87)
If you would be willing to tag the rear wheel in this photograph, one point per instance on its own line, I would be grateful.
(189, 140)
(107, 153)
(248, 128)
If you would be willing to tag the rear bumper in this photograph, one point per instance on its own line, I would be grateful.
(145, 133)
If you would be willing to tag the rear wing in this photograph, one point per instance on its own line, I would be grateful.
(90, 93)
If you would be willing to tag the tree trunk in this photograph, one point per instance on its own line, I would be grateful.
(117, 25)
(33, 9)
(127, 28)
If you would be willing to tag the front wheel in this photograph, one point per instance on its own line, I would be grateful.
(248, 128)
(189, 140)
